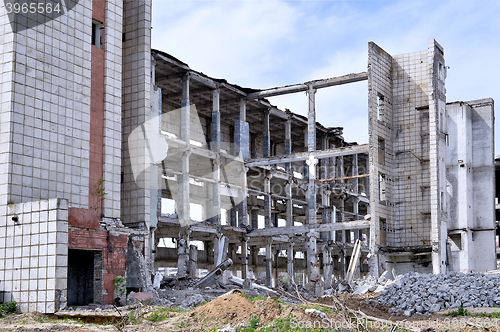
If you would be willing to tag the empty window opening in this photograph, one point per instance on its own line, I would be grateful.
(196, 211)
(97, 32)
(199, 244)
(166, 242)
(381, 150)
(383, 224)
(380, 107)
(455, 242)
(167, 206)
(261, 222)
(382, 187)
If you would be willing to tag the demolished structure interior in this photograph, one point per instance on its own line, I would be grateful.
(101, 137)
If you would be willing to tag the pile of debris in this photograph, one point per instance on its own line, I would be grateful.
(421, 294)
(367, 284)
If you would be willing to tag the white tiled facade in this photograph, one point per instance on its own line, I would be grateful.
(113, 108)
(45, 125)
(34, 254)
(408, 132)
(46, 109)
(136, 107)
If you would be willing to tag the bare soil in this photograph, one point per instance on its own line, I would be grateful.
(236, 310)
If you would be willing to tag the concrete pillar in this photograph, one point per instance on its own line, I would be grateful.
(183, 209)
(216, 133)
(355, 207)
(311, 191)
(216, 139)
(193, 260)
(355, 172)
(269, 266)
(288, 141)
(267, 201)
(266, 135)
(289, 205)
(216, 244)
(244, 257)
(242, 133)
(327, 267)
(311, 120)
(311, 252)
(242, 199)
(185, 109)
(183, 253)
(289, 263)
(216, 210)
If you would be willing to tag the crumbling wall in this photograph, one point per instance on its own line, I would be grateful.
(33, 255)
(86, 232)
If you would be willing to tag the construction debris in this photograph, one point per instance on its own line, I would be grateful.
(427, 293)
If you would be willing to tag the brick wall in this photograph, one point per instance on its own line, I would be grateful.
(111, 244)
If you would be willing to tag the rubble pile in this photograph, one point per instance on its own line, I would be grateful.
(421, 294)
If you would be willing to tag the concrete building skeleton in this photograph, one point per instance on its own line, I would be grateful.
(97, 130)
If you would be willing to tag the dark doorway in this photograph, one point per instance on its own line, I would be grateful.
(80, 277)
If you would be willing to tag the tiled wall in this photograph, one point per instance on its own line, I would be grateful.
(380, 128)
(411, 225)
(48, 106)
(136, 107)
(34, 255)
(112, 108)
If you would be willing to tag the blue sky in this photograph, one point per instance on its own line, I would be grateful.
(263, 44)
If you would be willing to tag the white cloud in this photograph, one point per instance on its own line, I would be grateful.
(263, 44)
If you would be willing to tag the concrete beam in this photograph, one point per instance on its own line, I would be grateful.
(317, 84)
(302, 156)
(275, 231)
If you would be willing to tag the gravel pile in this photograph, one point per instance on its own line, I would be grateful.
(422, 294)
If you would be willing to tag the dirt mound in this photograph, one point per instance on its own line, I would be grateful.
(235, 309)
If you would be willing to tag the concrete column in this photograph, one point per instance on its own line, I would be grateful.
(267, 201)
(311, 251)
(183, 253)
(269, 266)
(244, 257)
(266, 135)
(327, 267)
(183, 211)
(242, 199)
(355, 205)
(216, 134)
(289, 204)
(216, 210)
(288, 141)
(216, 139)
(355, 172)
(254, 253)
(311, 191)
(216, 244)
(311, 120)
(289, 263)
(242, 133)
(193, 260)
(185, 109)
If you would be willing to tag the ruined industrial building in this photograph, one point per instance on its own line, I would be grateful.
(127, 162)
